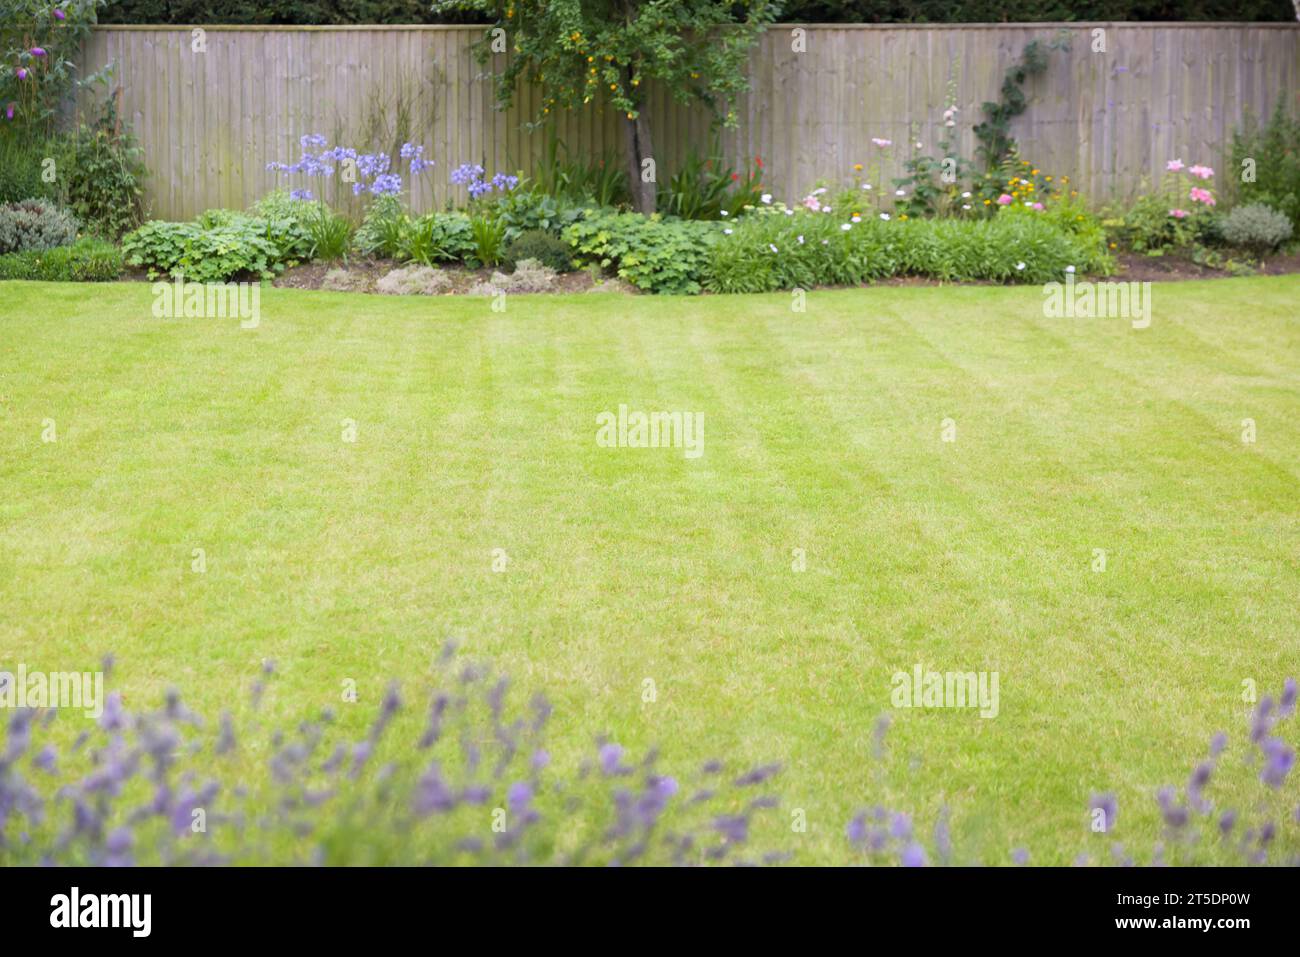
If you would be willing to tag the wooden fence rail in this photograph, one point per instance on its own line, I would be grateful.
(210, 121)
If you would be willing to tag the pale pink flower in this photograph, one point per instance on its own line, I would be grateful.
(1038, 206)
(881, 143)
(1202, 196)
(1004, 199)
(1200, 172)
(1179, 213)
(1174, 166)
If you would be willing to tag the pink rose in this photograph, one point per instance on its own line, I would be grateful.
(1004, 200)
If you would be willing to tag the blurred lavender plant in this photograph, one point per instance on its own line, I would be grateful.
(463, 779)
(1195, 832)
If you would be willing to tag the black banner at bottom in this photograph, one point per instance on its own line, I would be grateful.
(336, 906)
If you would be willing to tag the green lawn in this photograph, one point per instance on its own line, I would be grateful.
(476, 431)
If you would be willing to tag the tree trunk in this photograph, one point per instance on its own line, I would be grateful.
(637, 134)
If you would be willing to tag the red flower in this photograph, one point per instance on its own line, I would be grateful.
(735, 176)
(758, 160)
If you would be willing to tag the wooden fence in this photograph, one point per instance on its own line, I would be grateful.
(210, 121)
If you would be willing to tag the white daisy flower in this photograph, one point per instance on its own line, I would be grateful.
(885, 217)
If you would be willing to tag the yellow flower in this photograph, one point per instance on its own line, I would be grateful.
(904, 216)
(1065, 179)
(636, 82)
(1112, 245)
(1034, 172)
(988, 202)
(1049, 179)
(858, 167)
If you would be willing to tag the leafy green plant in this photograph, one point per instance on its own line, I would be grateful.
(437, 238)
(35, 224)
(383, 231)
(654, 254)
(1265, 164)
(528, 210)
(599, 181)
(330, 232)
(101, 169)
(709, 188)
(1256, 228)
(489, 234)
(87, 260)
(20, 170)
(770, 251)
(549, 250)
(200, 254)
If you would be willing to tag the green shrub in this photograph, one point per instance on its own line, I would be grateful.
(383, 231)
(86, 260)
(1272, 153)
(708, 188)
(20, 170)
(598, 181)
(1256, 227)
(535, 244)
(437, 238)
(523, 211)
(653, 254)
(489, 235)
(769, 251)
(284, 222)
(199, 254)
(35, 224)
(330, 232)
(101, 176)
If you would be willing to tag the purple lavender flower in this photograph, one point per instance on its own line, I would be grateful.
(519, 796)
(610, 757)
(758, 775)
(857, 829)
(541, 759)
(1287, 703)
(114, 717)
(1278, 761)
(733, 827)
(1020, 856)
(1109, 807)
(913, 856)
(46, 759)
(1217, 744)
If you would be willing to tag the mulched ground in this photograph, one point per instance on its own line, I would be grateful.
(370, 271)
(1132, 267)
